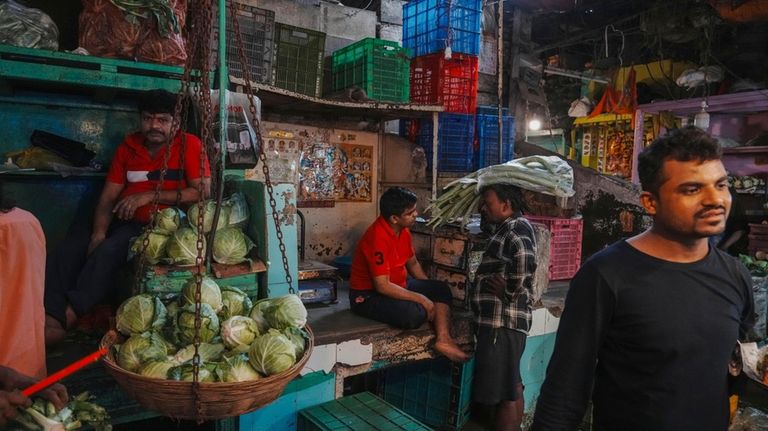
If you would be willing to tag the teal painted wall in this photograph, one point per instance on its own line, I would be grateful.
(533, 366)
(306, 391)
(285, 197)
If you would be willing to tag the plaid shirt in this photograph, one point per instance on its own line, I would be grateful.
(511, 253)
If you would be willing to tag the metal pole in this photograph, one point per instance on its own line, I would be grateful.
(499, 78)
(435, 132)
(223, 85)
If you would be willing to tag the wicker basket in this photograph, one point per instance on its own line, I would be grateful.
(218, 400)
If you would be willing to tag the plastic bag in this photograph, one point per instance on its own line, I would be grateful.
(37, 158)
(107, 31)
(27, 27)
(242, 145)
(749, 419)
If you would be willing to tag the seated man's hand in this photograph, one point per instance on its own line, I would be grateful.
(56, 393)
(10, 401)
(125, 209)
(429, 307)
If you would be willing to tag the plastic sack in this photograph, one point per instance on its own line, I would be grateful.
(550, 175)
(692, 78)
(242, 145)
(107, 31)
(37, 158)
(27, 27)
(749, 419)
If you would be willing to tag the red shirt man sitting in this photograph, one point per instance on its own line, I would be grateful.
(81, 273)
(379, 285)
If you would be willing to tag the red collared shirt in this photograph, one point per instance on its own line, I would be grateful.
(133, 167)
(381, 252)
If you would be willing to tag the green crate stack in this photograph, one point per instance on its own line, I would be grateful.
(358, 412)
(436, 392)
(380, 67)
(298, 59)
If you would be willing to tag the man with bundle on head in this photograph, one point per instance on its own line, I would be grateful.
(81, 271)
(379, 284)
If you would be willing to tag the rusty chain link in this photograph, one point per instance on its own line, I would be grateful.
(257, 129)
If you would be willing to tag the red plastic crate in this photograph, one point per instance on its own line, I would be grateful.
(565, 245)
(451, 83)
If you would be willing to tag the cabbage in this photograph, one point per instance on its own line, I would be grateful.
(139, 349)
(185, 324)
(239, 213)
(140, 313)
(236, 369)
(298, 338)
(272, 353)
(157, 369)
(209, 293)
(205, 373)
(209, 207)
(286, 312)
(238, 331)
(208, 353)
(257, 314)
(231, 246)
(173, 309)
(181, 248)
(235, 302)
(155, 251)
(168, 220)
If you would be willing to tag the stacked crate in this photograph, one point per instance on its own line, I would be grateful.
(487, 121)
(444, 37)
(257, 32)
(298, 59)
(379, 67)
(436, 392)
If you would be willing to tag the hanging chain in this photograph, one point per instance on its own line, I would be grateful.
(262, 156)
(203, 33)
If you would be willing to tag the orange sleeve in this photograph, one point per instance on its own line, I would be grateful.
(192, 159)
(116, 173)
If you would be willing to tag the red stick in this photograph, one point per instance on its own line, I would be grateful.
(64, 372)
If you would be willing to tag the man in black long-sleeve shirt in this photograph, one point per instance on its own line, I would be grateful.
(650, 323)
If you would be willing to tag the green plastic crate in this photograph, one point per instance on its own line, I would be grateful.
(298, 59)
(358, 412)
(436, 392)
(380, 67)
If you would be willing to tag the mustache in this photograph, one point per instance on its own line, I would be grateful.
(708, 209)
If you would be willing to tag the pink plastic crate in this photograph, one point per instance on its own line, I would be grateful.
(565, 245)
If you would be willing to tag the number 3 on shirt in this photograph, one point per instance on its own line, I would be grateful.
(379, 257)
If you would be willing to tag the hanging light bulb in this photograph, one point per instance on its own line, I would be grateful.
(701, 120)
(534, 124)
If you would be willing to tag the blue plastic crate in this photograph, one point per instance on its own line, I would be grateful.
(491, 110)
(429, 26)
(436, 392)
(358, 412)
(456, 136)
(488, 139)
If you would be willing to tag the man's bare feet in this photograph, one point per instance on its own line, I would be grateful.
(451, 351)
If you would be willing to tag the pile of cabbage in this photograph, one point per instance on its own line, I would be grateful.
(173, 237)
(240, 340)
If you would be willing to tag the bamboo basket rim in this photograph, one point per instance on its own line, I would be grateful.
(184, 388)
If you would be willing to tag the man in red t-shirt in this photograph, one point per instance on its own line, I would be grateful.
(379, 284)
(81, 272)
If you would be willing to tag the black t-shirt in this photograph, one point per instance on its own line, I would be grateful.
(652, 337)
